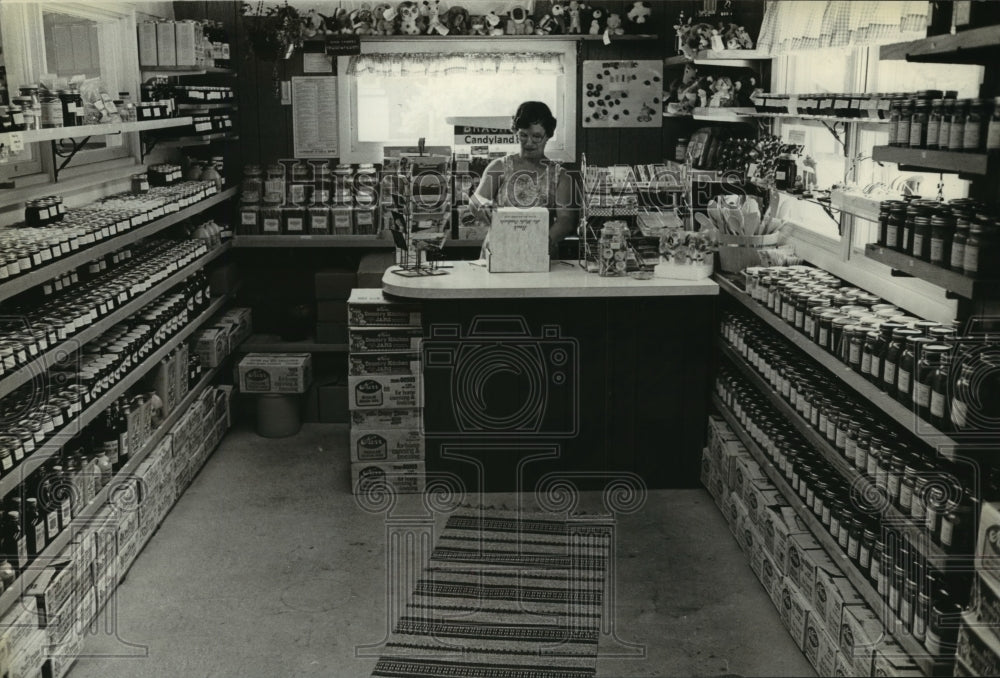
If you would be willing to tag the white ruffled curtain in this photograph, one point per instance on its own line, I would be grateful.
(795, 25)
(423, 63)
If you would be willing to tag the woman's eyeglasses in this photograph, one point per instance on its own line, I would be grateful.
(535, 138)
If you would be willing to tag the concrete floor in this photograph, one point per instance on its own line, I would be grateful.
(268, 567)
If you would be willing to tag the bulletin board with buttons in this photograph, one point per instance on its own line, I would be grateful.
(622, 93)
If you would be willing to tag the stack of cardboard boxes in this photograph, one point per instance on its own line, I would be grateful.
(42, 634)
(978, 652)
(822, 610)
(385, 392)
(215, 342)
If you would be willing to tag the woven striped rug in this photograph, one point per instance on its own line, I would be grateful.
(505, 595)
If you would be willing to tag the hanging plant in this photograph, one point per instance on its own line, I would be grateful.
(273, 33)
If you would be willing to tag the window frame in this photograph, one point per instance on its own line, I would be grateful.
(353, 151)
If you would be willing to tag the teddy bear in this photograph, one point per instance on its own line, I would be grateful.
(409, 18)
(432, 12)
(477, 25)
(558, 12)
(518, 22)
(639, 14)
(312, 24)
(596, 21)
(493, 26)
(697, 38)
(457, 20)
(574, 10)
(362, 21)
(614, 24)
(385, 19)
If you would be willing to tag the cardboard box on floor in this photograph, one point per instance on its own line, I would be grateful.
(380, 340)
(831, 593)
(404, 477)
(860, 632)
(375, 420)
(275, 372)
(371, 308)
(383, 392)
(387, 445)
(820, 647)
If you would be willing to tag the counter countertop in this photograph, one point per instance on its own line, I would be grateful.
(565, 279)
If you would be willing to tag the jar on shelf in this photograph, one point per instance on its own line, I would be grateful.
(956, 257)
(921, 239)
(905, 118)
(976, 119)
(252, 187)
(993, 126)
(894, 225)
(944, 125)
(274, 185)
(918, 124)
(51, 106)
(934, 123)
(974, 246)
(956, 133)
(942, 228)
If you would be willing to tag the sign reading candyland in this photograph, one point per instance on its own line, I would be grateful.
(622, 94)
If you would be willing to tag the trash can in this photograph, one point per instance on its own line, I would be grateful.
(278, 414)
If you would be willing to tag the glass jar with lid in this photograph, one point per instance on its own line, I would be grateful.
(918, 124)
(921, 240)
(905, 118)
(956, 134)
(274, 185)
(974, 245)
(944, 125)
(942, 227)
(976, 119)
(993, 127)
(934, 123)
(892, 355)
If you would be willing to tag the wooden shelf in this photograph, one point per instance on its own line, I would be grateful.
(24, 193)
(79, 131)
(372, 241)
(871, 597)
(734, 58)
(52, 550)
(272, 343)
(882, 402)
(744, 115)
(974, 46)
(970, 288)
(916, 534)
(68, 263)
(40, 364)
(209, 106)
(53, 445)
(820, 118)
(186, 70)
(198, 140)
(936, 161)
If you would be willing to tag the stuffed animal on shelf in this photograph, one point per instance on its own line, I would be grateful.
(744, 39)
(697, 38)
(614, 24)
(639, 14)
(336, 22)
(312, 24)
(477, 25)
(596, 21)
(545, 25)
(409, 18)
(574, 10)
(362, 21)
(518, 22)
(433, 16)
(457, 19)
(493, 26)
(385, 19)
(558, 12)
(721, 92)
(682, 94)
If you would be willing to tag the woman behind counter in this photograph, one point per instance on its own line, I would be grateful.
(528, 178)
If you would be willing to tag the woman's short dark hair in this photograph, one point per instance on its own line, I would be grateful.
(534, 113)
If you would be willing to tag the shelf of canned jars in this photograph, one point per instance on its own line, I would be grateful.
(52, 355)
(891, 621)
(891, 408)
(55, 443)
(12, 595)
(932, 552)
(46, 272)
(973, 46)
(962, 285)
(79, 131)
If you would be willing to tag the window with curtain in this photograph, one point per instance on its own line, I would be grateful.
(391, 97)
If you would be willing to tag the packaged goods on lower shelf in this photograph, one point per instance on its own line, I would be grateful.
(978, 648)
(362, 364)
(387, 445)
(275, 372)
(747, 536)
(733, 509)
(19, 624)
(56, 584)
(889, 659)
(744, 472)
(778, 525)
(708, 473)
(758, 495)
(805, 557)
(831, 593)
(988, 543)
(403, 477)
(380, 340)
(794, 611)
(62, 654)
(771, 578)
(398, 391)
(30, 658)
(860, 631)
(369, 307)
(819, 646)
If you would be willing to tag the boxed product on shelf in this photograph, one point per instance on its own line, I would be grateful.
(334, 283)
(889, 659)
(830, 594)
(770, 577)
(30, 657)
(147, 44)
(734, 509)
(18, 625)
(794, 611)
(387, 445)
(745, 471)
(360, 364)
(275, 372)
(54, 585)
(384, 392)
(62, 654)
(988, 542)
(747, 536)
(978, 649)
(166, 44)
(380, 340)
(370, 308)
(760, 494)
(241, 319)
(211, 345)
(805, 557)
(403, 477)
(778, 525)
(860, 631)
(984, 605)
(375, 420)
(820, 647)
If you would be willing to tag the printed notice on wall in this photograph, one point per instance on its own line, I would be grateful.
(314, 116)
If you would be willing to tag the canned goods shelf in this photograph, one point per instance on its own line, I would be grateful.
(934, 554)
(57, 268)
(970, 288)
(915, 650)
(38, 366)
(948, 447)
(80, 131)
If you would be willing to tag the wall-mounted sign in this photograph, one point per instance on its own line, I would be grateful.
(346, 44)
(468, 135)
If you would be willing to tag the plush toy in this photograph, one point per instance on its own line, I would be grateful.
(493, 26)
(312, 24)
(477, 25)
(596, 21)
(385, 19)
(614, 24)
(457, 19)
(639, 14)
(746, 42)
(362, 21)
(434, 23)
(545, 25)
(721, 92)
(337, 22)
(409, 18)
(696, 38)
(518, 22)
(574, 11)
(558, 18)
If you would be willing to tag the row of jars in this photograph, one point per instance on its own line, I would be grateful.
(960, 235)
(24, 248)
(305, 183)
(164, 174)
(925, 602)
(198, 94)
(211, 123)
(933, 120)
(41, 326)
(840, 105)
(37, 415)
(871, 447)
(314, 219)
(44, 211)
